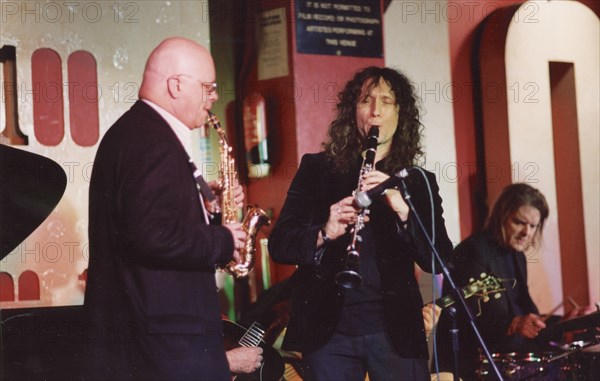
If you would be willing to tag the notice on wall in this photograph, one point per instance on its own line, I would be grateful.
(272, 44)
(341, 28)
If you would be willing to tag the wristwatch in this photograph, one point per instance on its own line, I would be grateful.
(324, 235)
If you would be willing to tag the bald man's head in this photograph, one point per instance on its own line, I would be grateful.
(174, 75)
(179, 55)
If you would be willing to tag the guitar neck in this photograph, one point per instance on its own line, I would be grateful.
(448, 300)
(487, 284)
(445, 301)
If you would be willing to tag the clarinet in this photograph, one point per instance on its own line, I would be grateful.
(349, 277)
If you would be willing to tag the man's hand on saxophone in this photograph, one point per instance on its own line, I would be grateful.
(239, 196)
(239, 238)
(236, 228)
(215, 186)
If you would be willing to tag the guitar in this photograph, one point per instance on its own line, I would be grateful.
(482, 287)
(293, 370)
(271, 369)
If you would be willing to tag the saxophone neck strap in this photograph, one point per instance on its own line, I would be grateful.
(203, 186)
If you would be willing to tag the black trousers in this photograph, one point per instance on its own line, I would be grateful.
(350, 358)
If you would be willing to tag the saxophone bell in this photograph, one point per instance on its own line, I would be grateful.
(255, 218)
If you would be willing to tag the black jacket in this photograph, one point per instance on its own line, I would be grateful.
(479, 254)
(316, 300)
(151, 294)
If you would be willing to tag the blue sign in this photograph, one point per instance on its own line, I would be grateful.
(339, 28)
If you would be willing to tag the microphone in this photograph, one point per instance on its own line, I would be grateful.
(364, 199)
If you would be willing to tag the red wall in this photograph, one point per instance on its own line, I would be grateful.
(299, 120)
(471, 187)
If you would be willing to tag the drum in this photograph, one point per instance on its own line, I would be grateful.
(582, 365)
(519, 366)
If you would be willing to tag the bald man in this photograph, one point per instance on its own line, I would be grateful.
(151, 295)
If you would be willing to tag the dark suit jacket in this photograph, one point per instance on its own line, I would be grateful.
(316, 300)
(478, 254)
(151, 294)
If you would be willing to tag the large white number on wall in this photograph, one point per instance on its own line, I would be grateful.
(542, 127)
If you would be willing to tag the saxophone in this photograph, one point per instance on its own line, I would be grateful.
(255, 217)
(349, 277)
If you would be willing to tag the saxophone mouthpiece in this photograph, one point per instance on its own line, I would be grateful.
(212, 121)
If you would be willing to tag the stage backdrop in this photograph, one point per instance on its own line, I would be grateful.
(534, 118)
(74, 56)
(78, 66)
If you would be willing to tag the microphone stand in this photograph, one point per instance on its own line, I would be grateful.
(455, 343)
(459, 296)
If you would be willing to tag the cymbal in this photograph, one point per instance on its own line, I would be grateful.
(577, 323)
(31, 186)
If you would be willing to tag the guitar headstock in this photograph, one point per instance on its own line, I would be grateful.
(483, 287)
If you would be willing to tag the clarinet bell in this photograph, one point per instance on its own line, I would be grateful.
(350, 278)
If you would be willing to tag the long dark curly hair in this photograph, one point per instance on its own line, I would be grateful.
(344, 145)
